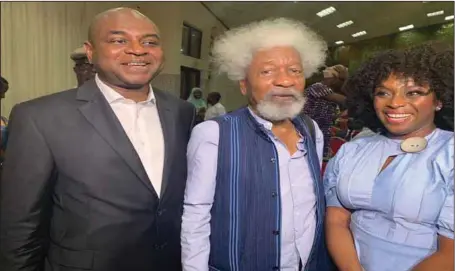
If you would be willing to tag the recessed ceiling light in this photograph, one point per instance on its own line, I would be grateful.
(345, 24)
(358, 34)
(339, 42)
(436, 13)
(326, 11)
(407, 27)
(449, 18)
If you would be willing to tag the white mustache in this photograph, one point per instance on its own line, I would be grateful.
(290, 91)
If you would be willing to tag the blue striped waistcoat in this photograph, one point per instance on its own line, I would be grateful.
(246, 214)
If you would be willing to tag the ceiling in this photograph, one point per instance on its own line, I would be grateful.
(376, 18)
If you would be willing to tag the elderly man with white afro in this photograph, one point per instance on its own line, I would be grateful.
(233, 51)
(253, 198)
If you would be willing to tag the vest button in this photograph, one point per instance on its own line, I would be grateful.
(274, 194)
(276, 232)
(272, 160)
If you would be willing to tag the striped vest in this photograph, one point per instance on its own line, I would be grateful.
(246, 214)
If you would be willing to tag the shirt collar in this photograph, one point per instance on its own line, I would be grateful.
(267, 124)
(112, 96)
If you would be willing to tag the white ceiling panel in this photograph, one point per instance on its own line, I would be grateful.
(376, 18)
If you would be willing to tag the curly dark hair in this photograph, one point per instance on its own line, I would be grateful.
(428, 64)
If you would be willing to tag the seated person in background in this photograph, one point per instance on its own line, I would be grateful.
(390, 197)
(324, 98)
(83, 69)
(215, 107)
(4, 121)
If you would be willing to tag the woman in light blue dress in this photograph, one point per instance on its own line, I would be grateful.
(390, 197)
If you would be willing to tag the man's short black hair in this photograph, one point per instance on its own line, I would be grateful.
(216, 96)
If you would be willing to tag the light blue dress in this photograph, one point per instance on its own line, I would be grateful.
(397, 214)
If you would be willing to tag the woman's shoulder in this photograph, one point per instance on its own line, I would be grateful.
(361, 143)
(444, 135)
(443, 150)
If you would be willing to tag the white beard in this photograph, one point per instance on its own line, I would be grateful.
(274, 111)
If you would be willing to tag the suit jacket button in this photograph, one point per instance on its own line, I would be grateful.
(159, 247)
(275, 268)
(160, 212)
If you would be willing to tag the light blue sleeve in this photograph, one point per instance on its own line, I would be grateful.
(445, 220)
(202, 155)
(446, 216)
(331, 179)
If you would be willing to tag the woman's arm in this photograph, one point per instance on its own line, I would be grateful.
(339, 239)
(441, 260)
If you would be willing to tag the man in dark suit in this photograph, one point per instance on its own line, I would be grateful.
(94, 177)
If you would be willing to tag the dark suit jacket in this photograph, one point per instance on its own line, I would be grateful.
(74, 193)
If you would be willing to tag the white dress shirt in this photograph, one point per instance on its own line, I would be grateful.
(142, 124)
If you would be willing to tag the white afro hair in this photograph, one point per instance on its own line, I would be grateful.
(233, 51)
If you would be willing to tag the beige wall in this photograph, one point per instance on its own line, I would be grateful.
(195, 14)
(37, 38)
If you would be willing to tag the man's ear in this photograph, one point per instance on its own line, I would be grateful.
(89, 51)
(243, 87)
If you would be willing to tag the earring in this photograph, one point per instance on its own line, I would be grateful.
(438, 108)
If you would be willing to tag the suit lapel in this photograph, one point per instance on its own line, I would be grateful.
(167, 119)
(98, 112)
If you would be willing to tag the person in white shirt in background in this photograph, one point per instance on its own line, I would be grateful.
(215, 107)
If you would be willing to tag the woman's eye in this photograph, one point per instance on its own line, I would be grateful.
(381, 94)
(415, 93)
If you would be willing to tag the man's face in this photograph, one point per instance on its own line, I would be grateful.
(275, 83)
(211, 99)
(126, 50)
